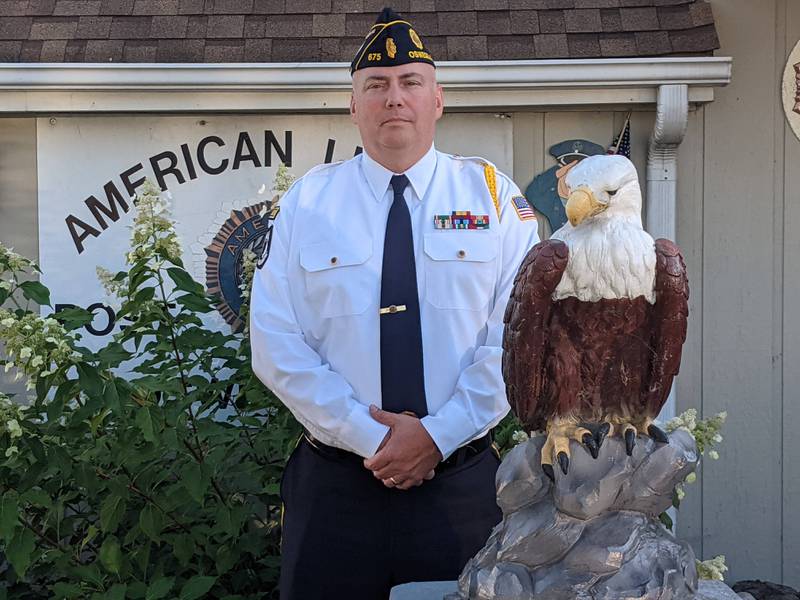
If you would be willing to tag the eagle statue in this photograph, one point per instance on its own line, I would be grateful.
(596, 319)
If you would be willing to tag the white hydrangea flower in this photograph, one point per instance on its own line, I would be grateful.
(691, 478)
(713, 454)
(712, 569)
(520, 436)
(25, 352)
(13, 428)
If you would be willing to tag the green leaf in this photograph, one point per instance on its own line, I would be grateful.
(63, 590)
(113, 354)
(195, 303)
(33, 290)
(111, 397)
(666, 520)
(151, 522)
(111, 513)
(90, 380)
(90, 534)
(20, 549)
(8, 516)
(73, 317)
(144, 420)
(111, 555)
(144, 295)
(159, 588)
(225, 560)
(117, 592)
(183, 549)
(37, 496)
(183, 281)
(195, 481)
(196, 587)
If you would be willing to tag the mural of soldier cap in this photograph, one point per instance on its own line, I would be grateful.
(391, 41)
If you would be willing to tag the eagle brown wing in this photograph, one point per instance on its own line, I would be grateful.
(525, 335)
(668, 323)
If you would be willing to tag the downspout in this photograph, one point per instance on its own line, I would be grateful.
(672, 114)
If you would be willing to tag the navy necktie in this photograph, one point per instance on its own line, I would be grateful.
(402, 375)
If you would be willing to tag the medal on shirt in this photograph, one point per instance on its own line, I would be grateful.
(461, 219)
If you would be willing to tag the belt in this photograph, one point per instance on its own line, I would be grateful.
(457, 458)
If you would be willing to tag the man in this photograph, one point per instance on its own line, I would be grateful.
(377, 319)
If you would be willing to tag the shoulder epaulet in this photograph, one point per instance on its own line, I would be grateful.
(489, 174)
(322, 167)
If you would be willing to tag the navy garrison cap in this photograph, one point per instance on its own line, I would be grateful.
(390, 42)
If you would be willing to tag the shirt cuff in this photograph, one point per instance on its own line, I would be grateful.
(361, 432)
(451, 427)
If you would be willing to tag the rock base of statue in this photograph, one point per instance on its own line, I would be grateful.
(594, 534)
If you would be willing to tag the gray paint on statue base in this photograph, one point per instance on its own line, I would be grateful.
(434, 590)
(593, 534)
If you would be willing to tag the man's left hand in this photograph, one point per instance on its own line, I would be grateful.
(409, 455)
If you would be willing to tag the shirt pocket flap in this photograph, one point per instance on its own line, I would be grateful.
(463, 246)
(325, 255)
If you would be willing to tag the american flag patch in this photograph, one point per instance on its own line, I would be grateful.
(524, 210)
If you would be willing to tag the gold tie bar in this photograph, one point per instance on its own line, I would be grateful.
(394, 308)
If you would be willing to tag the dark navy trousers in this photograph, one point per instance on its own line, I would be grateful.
(347, 536)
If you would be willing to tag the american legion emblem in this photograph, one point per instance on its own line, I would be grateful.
(247, 228)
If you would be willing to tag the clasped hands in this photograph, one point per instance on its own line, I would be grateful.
(407, 455)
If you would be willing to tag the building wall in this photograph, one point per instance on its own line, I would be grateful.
(738, 217)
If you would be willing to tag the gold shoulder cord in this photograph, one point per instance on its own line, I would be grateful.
(491, 183)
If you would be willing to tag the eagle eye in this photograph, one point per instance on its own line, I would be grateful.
(612, 192)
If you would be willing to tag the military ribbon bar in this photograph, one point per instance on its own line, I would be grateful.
(461, 219)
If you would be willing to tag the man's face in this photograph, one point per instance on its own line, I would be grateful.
(396, 108)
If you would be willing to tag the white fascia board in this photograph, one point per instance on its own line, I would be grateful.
(325, 87)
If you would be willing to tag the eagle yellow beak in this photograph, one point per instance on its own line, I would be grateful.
(582, 204)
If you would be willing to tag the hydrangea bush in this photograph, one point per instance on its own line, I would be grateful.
(150, 468)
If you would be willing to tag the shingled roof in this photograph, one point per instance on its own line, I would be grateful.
(210, 31)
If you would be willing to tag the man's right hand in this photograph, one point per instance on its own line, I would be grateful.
(405, 452)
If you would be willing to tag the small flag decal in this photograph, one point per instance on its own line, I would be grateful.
(524, 210)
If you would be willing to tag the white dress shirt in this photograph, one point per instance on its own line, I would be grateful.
(314, 315)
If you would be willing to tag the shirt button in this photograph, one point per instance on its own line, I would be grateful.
(334, 260)
(461, 254)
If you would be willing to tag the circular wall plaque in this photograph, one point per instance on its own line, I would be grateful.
(790, 88)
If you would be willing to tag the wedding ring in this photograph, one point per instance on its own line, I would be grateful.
(393, 480)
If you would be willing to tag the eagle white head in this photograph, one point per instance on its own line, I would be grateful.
(603, 185)
(610, 255)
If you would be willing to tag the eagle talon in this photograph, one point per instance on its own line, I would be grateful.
(563, 461)
(657, 434)
(591, 444)
(548, 470)
(601, 433)
(630, 440)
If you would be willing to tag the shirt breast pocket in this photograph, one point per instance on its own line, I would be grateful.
(337, 280)
(460, 269)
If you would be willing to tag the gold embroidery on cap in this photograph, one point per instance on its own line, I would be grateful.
(415, 38)
(418, 54)
(378, 29)
(391, 47)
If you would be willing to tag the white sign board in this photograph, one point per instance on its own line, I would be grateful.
(88, 167)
